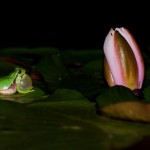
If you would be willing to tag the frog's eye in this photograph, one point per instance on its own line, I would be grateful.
(25, 83)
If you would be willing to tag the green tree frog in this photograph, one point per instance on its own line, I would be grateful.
(16, 81)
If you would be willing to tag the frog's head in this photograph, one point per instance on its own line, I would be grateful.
(20, 72)
(23, 81)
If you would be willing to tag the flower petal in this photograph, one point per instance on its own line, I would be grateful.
(126, 61)
(112, 58)
(108, 74)
(137, 53)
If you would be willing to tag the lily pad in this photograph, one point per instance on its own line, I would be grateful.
(86, 84)
(93, 67)
(80, 117)
(147, 94)
(114, 95)
(81, 56)
(52, 69)
(66, 95)
(37, 94)
(119, 102)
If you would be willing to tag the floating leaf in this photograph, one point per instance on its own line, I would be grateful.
(52, 69)
(21, 51)
(86, 84)
(147, 94)
(6, 68)
(80, 117)
(12, 109)
(37, 94)
(94, 68)
(66, 95)
(81, 56)
(120, 103)
(114, 95)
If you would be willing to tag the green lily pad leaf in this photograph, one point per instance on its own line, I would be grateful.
(114, 95)
(85, 84)
(6, 68)
(70, 108)
(81, 56)
(147, 76)
(95, 66)
(12, 109)
(64, 121)
(43, 50)
(119, 102)
(37, 94)
(147, 94)
(80, 116)
(60, 122)
(66, 95)
(22, 50)
(26, 57)
(10, 52)
(53, 70)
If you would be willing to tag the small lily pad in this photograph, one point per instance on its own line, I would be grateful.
(25, 98)
(119, 102)
(114, 95)
(52, 69)
(94, 67)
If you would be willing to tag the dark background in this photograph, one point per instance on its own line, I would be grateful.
(71, 30)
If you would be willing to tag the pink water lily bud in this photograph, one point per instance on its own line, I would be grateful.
(123, 62)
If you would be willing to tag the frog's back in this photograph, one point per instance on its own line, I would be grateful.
(5, 82)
